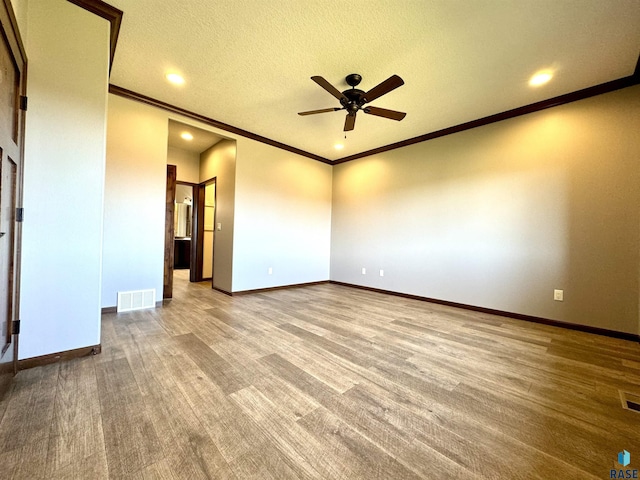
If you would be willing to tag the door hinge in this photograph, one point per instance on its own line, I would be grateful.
(19, 214)
(15, 327)
(23, 102)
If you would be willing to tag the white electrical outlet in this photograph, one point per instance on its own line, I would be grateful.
(270, 270)
(382, 273)
(558, 295)
(364, 271)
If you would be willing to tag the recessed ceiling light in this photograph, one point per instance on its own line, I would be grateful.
(540, 78)
(186, 136)
(338, 146)
(175, 78)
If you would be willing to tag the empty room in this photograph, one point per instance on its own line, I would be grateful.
(320, 239)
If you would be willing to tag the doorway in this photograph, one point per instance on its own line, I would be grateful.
(205, 162)
(183, 226)
(190, 221)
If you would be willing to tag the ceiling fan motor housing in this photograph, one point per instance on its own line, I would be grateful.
(354, 96)
(353, 102)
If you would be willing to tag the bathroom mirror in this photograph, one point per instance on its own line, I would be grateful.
(182, 213)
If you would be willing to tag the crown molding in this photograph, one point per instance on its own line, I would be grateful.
(498, 117)
(131, 95)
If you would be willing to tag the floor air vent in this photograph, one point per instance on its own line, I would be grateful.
(630, 401)
(136, 300)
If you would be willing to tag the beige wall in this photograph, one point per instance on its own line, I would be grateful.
(187, 163)
(500, 216)
(220, 162)
(134, 211)
(497, 216)
(282, 218)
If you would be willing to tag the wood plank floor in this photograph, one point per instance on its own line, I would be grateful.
(324, 382)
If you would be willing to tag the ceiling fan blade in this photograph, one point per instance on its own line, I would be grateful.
(313, 112)
(350, 122)
(383, 112)
(329, 88)
(385, 87)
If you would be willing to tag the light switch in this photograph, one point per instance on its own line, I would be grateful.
(219, 227)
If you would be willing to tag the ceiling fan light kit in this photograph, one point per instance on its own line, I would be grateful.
(354, 99)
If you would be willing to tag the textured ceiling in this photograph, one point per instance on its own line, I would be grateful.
(202, 139)
(247, 63)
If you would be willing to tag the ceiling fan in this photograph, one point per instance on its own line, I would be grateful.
(354, 99)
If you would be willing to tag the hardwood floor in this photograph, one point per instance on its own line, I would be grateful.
(324, 382)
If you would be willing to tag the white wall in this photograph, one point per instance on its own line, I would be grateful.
(68, 52)
(219, 161)
(282, 218)
(187, 163)
(501, 215)
(135, 186)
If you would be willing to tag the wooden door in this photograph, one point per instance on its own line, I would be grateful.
(169, 234)
(203, 227)
(12, 88)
